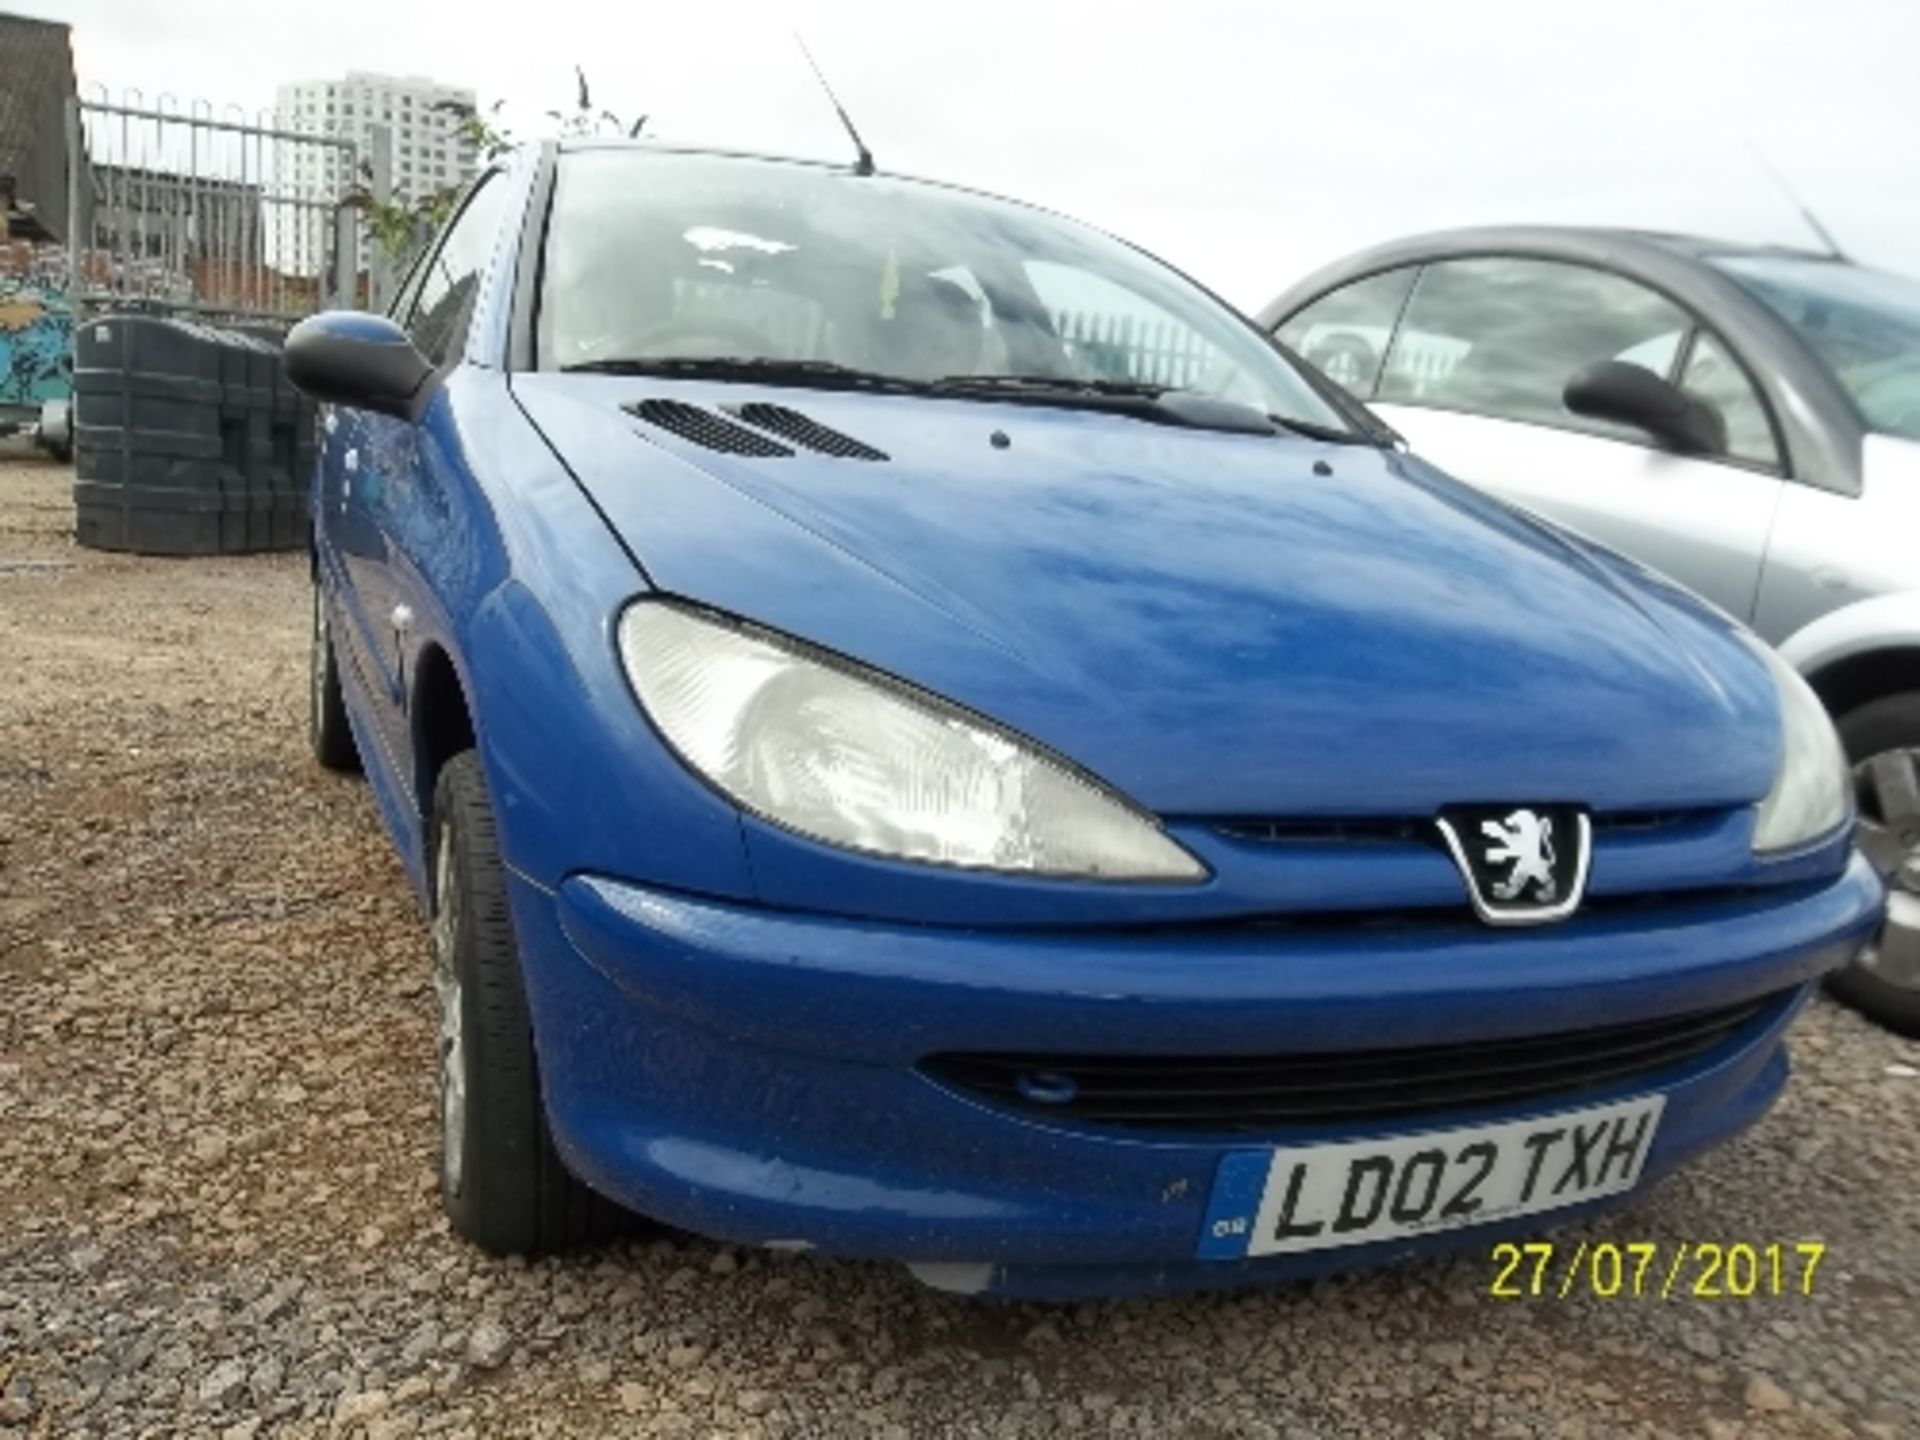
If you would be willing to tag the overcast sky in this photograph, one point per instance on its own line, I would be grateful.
(1245, 142)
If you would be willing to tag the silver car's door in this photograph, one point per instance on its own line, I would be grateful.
(1702, 522)
(1480, 353)
(1833, 551)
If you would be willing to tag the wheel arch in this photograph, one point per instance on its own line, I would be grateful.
(1860, 652)
(1854, 680)
(441, 721)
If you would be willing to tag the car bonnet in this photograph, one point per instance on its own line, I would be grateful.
(1217, 624)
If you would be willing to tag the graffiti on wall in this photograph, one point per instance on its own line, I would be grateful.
(36, 326)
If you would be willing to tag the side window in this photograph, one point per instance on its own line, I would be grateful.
(444, 299)
(1501, 336)
(1345, 333)
(1713, 375)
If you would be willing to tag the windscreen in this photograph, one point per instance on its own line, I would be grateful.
(654, 256)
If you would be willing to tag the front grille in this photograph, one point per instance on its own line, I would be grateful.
(1405, 829)
(1212, 1093)
(1326, 832)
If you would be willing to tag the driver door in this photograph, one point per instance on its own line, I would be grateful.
(377, 482)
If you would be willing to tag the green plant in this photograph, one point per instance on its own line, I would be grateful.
(586, 121)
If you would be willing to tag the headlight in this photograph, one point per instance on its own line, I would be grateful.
(1812, 796)
(852, 758)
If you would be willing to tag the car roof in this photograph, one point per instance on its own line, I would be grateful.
(579, 143)
(1600, 244)
(1702, 246)
(569, 143)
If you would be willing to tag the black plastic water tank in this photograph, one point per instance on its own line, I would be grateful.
(292, 444)
(149, 474)
(247, 374)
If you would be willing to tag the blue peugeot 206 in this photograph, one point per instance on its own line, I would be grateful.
(923, 735)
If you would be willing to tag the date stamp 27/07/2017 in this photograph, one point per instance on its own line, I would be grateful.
(1654, 1270)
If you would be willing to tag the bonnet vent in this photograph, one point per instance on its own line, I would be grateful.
(703, 427)
(808, 434)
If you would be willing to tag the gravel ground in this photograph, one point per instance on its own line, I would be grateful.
(216, 1151)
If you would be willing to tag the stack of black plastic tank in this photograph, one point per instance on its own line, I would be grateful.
(246, 437)
(290, 442)
(187, 439)
(148, 467)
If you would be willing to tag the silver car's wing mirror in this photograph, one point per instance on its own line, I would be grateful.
(1633, 395)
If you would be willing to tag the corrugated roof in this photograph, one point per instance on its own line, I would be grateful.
(36, 57)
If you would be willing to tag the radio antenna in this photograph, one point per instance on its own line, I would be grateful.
(1806, 213)
(863, 157)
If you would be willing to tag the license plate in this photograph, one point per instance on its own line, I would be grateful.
(1356, 1192)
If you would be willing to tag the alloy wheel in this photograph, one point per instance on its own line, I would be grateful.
(452, 1040)
(1888, 785)
(317, 660)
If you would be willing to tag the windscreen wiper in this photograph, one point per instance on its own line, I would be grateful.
(1332, 434)
(1050, 384)
(1139, 399)
(1149, 400)
(767, 369)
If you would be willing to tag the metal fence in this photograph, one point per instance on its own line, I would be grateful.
(1122, 347)
(214, 214)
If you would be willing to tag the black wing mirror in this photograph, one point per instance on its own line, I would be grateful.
(1633, 395)
(365, 362)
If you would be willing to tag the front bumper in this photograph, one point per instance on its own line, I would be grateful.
(750, 1074)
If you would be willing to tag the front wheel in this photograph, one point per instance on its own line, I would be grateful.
(1883, 742)
(501, 1180)
(327, 728)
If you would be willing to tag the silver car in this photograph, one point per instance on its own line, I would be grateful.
(1746, 420)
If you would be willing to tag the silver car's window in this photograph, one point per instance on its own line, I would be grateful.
(654, 256)
(1501, 336)
(1713, 375)
(1863, 323)
(1345, 332)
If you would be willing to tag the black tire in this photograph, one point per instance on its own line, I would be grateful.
(502, 1182)
(327, 728)
(1880, 726)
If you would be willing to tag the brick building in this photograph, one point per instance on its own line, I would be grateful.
(36, 81)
